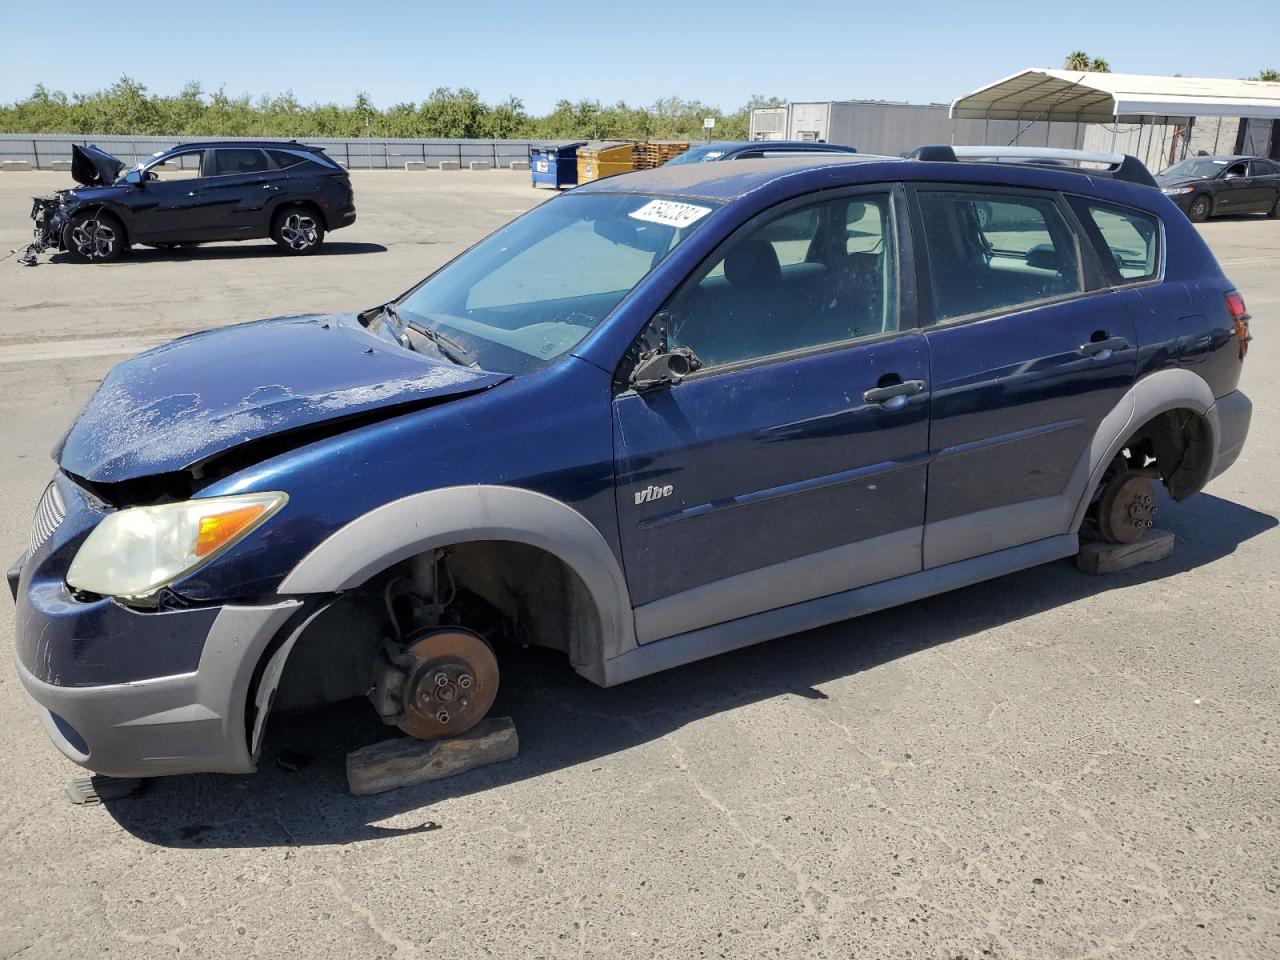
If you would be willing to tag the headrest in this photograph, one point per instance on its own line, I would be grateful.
(752, 264)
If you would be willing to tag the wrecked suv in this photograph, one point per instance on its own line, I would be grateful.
(195, 193)
(662, 416)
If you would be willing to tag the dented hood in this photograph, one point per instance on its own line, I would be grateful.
(176, 406)
(94, 167)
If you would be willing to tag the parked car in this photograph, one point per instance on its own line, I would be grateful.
(242, 190)
(753, 150)
(659, 417)
(1205, 187)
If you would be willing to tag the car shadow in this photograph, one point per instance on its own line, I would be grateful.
(230, 251)
(563, 720)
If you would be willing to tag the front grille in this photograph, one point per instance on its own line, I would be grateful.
(50, 512)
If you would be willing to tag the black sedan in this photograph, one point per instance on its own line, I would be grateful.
(195, 193)
(1208, 186)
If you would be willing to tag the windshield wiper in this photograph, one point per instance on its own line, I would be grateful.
(390, 313)
(450, 349)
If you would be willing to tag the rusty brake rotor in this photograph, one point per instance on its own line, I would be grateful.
(1127, 508)
(450, 684)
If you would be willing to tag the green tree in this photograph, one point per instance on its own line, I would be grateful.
(1076, 60)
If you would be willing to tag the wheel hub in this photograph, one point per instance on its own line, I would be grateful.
(1128, 508)
(450, 684)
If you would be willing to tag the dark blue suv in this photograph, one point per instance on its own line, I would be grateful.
(665, 415)
(195, 193)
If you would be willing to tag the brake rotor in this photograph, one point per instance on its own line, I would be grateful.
(450, 684)
(1127, 509)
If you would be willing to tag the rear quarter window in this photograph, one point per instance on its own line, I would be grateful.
(1128, 240)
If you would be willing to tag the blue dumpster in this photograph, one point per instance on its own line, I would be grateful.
(554, 165)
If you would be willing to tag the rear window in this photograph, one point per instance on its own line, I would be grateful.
(283, 159)
(1127, 239)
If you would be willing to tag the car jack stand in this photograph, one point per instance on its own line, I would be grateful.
(85, 791)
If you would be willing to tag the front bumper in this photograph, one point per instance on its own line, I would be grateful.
(190, 723)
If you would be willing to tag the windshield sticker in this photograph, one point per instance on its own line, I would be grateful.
(669, 213)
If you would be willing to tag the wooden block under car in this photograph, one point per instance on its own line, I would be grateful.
(405, 762)
(1100, 558)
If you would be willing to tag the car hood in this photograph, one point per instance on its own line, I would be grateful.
(1178, 181)
(93, 167)
(175, 407)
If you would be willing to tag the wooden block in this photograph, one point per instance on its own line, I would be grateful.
(404, 762)
(1101, 558)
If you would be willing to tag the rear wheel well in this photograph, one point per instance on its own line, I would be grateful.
(1178, 444)
(308, 205)
(503, 590)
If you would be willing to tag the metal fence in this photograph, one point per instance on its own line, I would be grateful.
(357, 153)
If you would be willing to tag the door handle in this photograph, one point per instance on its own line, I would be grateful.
(1103, 349)
(268, 186)
(894, 396)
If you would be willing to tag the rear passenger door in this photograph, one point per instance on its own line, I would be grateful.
(792, 465)
(238, 188)
(1029, 350)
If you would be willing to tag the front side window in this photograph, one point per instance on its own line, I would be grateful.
(819, 275)
(1130, 239)
(531, 291)
(995, 252)
(174, 167)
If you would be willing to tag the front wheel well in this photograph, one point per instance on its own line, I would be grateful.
(1178, 444)
(503, 590)
(97, 209)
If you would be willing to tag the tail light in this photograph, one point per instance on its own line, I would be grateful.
(1239, 320)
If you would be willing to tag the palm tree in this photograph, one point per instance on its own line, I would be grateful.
(1076, 60)
(1098, 65)
(1271, 76)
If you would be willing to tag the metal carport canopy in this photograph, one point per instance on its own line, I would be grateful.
(1076, 97)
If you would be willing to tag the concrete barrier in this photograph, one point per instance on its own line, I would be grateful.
(450, 165)
(518, 165)
(15, 165)
(481, 165)
(415, 164)
(59, 164)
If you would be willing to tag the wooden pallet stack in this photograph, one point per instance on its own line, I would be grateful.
(652, 154)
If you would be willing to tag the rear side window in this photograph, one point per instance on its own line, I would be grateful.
(996, 252)
(1127, 238)
(283, 159)
(227, 163)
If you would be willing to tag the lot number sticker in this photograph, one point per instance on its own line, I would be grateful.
(669, 213)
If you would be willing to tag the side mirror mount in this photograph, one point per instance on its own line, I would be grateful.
(135, 178)
(659, 369)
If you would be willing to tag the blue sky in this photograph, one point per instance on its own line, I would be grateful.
(717, 52)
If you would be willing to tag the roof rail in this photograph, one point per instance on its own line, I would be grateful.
(1120, 166)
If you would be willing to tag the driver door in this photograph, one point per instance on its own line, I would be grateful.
(166, 206)
(792, 465)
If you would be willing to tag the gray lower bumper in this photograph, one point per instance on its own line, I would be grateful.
(1230, 416)
(191, 723)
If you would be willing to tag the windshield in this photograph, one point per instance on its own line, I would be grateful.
(533, 290)
(698, 155)
(1195, 167)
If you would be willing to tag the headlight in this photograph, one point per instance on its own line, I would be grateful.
(133, 553)
(1172, 191)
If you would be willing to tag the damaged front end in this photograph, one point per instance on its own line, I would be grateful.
(49, 214)
(91, 168)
